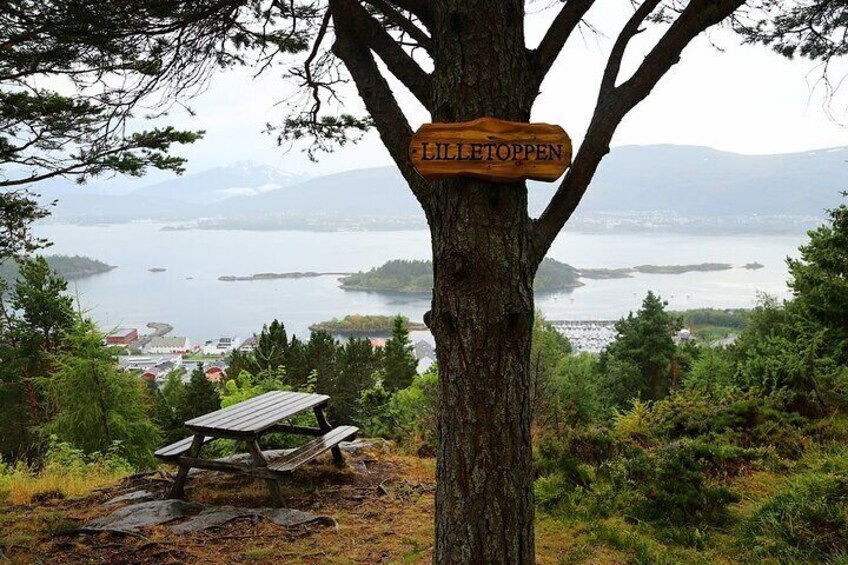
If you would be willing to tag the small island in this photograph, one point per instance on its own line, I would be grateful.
(416, 277)
(275, 276)
(680, 269)
(604, 274)
(358, 325)
(157, 270)
(66, 266)
(753, 266)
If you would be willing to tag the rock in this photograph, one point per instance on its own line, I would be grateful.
(212, 517)
(200, 517)
(289, 517)
(366, 444)
(130, 518)
(135, 496)
(216, 516)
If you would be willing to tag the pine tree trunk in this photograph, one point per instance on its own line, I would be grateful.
(482, 312)
(482, 320)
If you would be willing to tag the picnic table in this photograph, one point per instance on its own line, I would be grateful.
(247, 422)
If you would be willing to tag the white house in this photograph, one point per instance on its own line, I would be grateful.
(167, 344)
(221, 345)
(145, 362)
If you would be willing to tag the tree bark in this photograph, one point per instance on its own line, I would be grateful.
(482, 320)
(482, 312)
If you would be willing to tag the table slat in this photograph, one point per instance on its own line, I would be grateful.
(257, 414)
(241, 407)
(268, 419)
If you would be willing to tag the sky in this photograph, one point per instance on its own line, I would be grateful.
(722, 94)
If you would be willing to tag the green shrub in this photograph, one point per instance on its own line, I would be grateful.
(806, 520)
(678, 491)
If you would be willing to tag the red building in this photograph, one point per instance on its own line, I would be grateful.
(122, 336)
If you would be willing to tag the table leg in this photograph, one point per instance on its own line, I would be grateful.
(326, 427)
(260, 461)
(178, 488)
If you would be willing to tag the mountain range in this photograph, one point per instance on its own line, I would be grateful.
(668, 179)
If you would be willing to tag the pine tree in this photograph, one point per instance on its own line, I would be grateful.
(200, 397)
(357, 365)
(271, 347)
(168, 402)
(819, 281)
(39, 296)
(34, 318)
(98, 406)
(399, 362)
(645, 343)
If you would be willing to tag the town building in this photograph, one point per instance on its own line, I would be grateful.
(146, 362)
(221, 345)
(167, 344)
(248, 345)
(215, 371)
(122, 336)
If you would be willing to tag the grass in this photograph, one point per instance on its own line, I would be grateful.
(386, 516)
(21, 486)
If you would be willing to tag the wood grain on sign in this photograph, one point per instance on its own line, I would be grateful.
(491, 149)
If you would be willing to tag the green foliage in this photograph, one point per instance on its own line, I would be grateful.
(38, 296)
(723, 318)
(677, 490)
(65, 266)
(36, 315)
(19, 209)
(360, 324)
(395, 276)
(417, 277)
(358, 362)
(245, 386)
(642, 355)
(712, 371)
(408, 415)
(98, 406)
(271, 347)
(805, 521)
(200, 396)
(819, 281)
(548, 350)
(65, 470)
(167, 402)
(399, 361)
(553, 276)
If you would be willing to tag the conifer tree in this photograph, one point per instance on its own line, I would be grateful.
(644, 343)
(399, 362)
(98, 406)
(200, 397)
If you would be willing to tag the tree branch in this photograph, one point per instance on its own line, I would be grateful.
(392, 125)
(399, 63)
(614, 102)
(566, 21)
(404, 23)
(419, 8)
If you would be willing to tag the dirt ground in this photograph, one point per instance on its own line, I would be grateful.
(383, 507)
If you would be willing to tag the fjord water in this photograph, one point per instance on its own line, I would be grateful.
(189, 296)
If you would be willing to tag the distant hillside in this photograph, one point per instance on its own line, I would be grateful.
(414, 277)
(699, 181)
(222, 183)
(654, 184)
(69, 267)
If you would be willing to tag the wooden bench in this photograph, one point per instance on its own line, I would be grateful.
(171, 453)
(313, 449)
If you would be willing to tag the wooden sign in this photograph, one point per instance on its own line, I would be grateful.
(491, 149)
